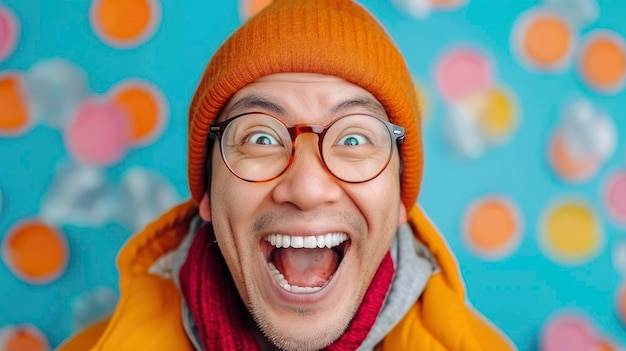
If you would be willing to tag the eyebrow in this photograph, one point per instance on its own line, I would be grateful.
(256, 101)
(259, 101)
(362, 101)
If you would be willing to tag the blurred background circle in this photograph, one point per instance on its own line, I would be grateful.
(570, 232)
(543, 40)
(492, 227)
(615, 196)
(9, 32)
(146, 109)
(15, 118)
(35, 252)
(23, 337)
(125, 24)
(602, 62)
(98, 134)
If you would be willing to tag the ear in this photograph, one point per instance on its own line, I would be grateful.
(205, 208)
(402, 214)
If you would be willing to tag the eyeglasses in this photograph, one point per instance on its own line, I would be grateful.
(258, 147)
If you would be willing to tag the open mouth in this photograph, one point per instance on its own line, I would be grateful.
(305, 264)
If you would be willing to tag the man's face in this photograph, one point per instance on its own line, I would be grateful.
(305, 201)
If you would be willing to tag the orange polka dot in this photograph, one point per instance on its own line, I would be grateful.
(125, 23)
(603, 61)
(545, 40)
(22, 338)
(447, 4)
(35, 252)
(620, 303)
(606, 345)
(249, 8)
(145, 106)
(492, 227)
(14, 117)
(567, 166)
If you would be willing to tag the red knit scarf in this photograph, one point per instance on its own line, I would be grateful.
(220, 315)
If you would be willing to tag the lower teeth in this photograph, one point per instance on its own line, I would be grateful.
(285, 284)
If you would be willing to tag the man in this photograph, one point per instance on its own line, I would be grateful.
(305, 161)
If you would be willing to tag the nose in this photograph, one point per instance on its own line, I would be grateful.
(307, 184)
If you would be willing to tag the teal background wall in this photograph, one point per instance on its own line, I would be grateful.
(521, 290)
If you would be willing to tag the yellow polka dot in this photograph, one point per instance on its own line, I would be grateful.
(499, 116)
(571, 232)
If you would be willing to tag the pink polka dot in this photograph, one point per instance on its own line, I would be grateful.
(9, 31)
(98, 135)
(615, 196)
(571, 333)
(462, 72)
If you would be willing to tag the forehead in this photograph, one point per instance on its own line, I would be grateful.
(298, 96)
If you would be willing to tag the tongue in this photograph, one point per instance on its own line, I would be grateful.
(306, 267)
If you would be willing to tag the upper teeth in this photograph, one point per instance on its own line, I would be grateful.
(307, 242)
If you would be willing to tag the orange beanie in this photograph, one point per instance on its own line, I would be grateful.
(332, 37)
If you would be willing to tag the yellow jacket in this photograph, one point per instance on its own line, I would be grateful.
(148, 315)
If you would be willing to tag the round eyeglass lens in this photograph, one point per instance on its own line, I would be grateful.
(256, 147)
(356, 148)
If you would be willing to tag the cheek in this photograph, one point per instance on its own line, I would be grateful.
(234, 205)
(379, 202)
(226, 193)
(230, 212)
(223, 195)
(380, 197)
(234, 202)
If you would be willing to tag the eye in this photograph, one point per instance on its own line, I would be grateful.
(353, 140)
(262, 139)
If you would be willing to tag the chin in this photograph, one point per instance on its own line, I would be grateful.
(303, 336)
(308, 340)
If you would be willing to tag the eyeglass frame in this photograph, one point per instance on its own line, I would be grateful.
(396, 133)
